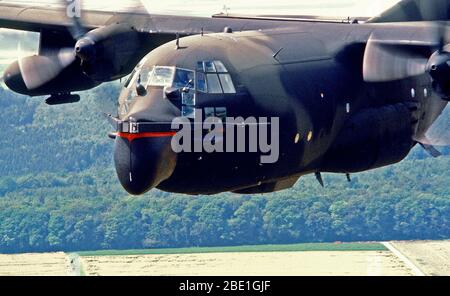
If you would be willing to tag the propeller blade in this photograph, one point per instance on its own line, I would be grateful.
(146, 5)
(437, 131)
(387, 61)
(77, 30)
(431, 150)
(38, 70)
(66, 56)
(391, 59)
(441, 33)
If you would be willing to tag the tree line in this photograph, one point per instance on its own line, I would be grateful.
(73, 214)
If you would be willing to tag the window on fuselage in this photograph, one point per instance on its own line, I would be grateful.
(132, 79)
(201, 82)
(184, 78)
(214, 86)
(209, 67)
(220, 67)
(227, 84)
(213, 77)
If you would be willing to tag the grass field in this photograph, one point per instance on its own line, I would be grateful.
(341, 259)
(329, 247)
(47, 264)
(276, 260)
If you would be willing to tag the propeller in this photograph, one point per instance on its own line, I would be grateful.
(394, 60)
(77, 30)
(386, 61)
(94, 51)
(38, 70)
(435, 131)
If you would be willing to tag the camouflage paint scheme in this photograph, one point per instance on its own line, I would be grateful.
(307, 72)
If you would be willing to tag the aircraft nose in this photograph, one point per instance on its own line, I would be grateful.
(13, 79)
(143, 161)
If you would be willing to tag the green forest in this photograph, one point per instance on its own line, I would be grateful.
(59, 192)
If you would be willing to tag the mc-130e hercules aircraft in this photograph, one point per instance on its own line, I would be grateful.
(331, 95)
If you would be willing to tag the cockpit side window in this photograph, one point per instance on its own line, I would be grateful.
(227, 84)
(218, 80)
(209, 67)
(201, 82)
(135, 74)
(130, 79)
(214, 84)
(184, 78)
(220, 67)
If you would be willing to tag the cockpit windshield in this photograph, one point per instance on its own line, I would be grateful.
(161, 76)
(211, 77)
(171, 76)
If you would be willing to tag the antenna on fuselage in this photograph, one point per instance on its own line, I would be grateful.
(226, 9)
(178, 42)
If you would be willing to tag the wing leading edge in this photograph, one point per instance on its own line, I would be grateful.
(39, 18)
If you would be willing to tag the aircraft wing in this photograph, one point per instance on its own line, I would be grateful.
(294, 18)
(36, 18)
(76, 42)
(51, 17)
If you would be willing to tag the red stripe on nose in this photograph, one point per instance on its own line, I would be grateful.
(132, 137)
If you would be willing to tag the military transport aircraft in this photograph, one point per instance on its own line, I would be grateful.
(349, 95)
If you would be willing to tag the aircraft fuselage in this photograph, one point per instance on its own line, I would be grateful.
(309, 77)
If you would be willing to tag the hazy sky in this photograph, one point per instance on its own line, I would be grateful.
(207, 7)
